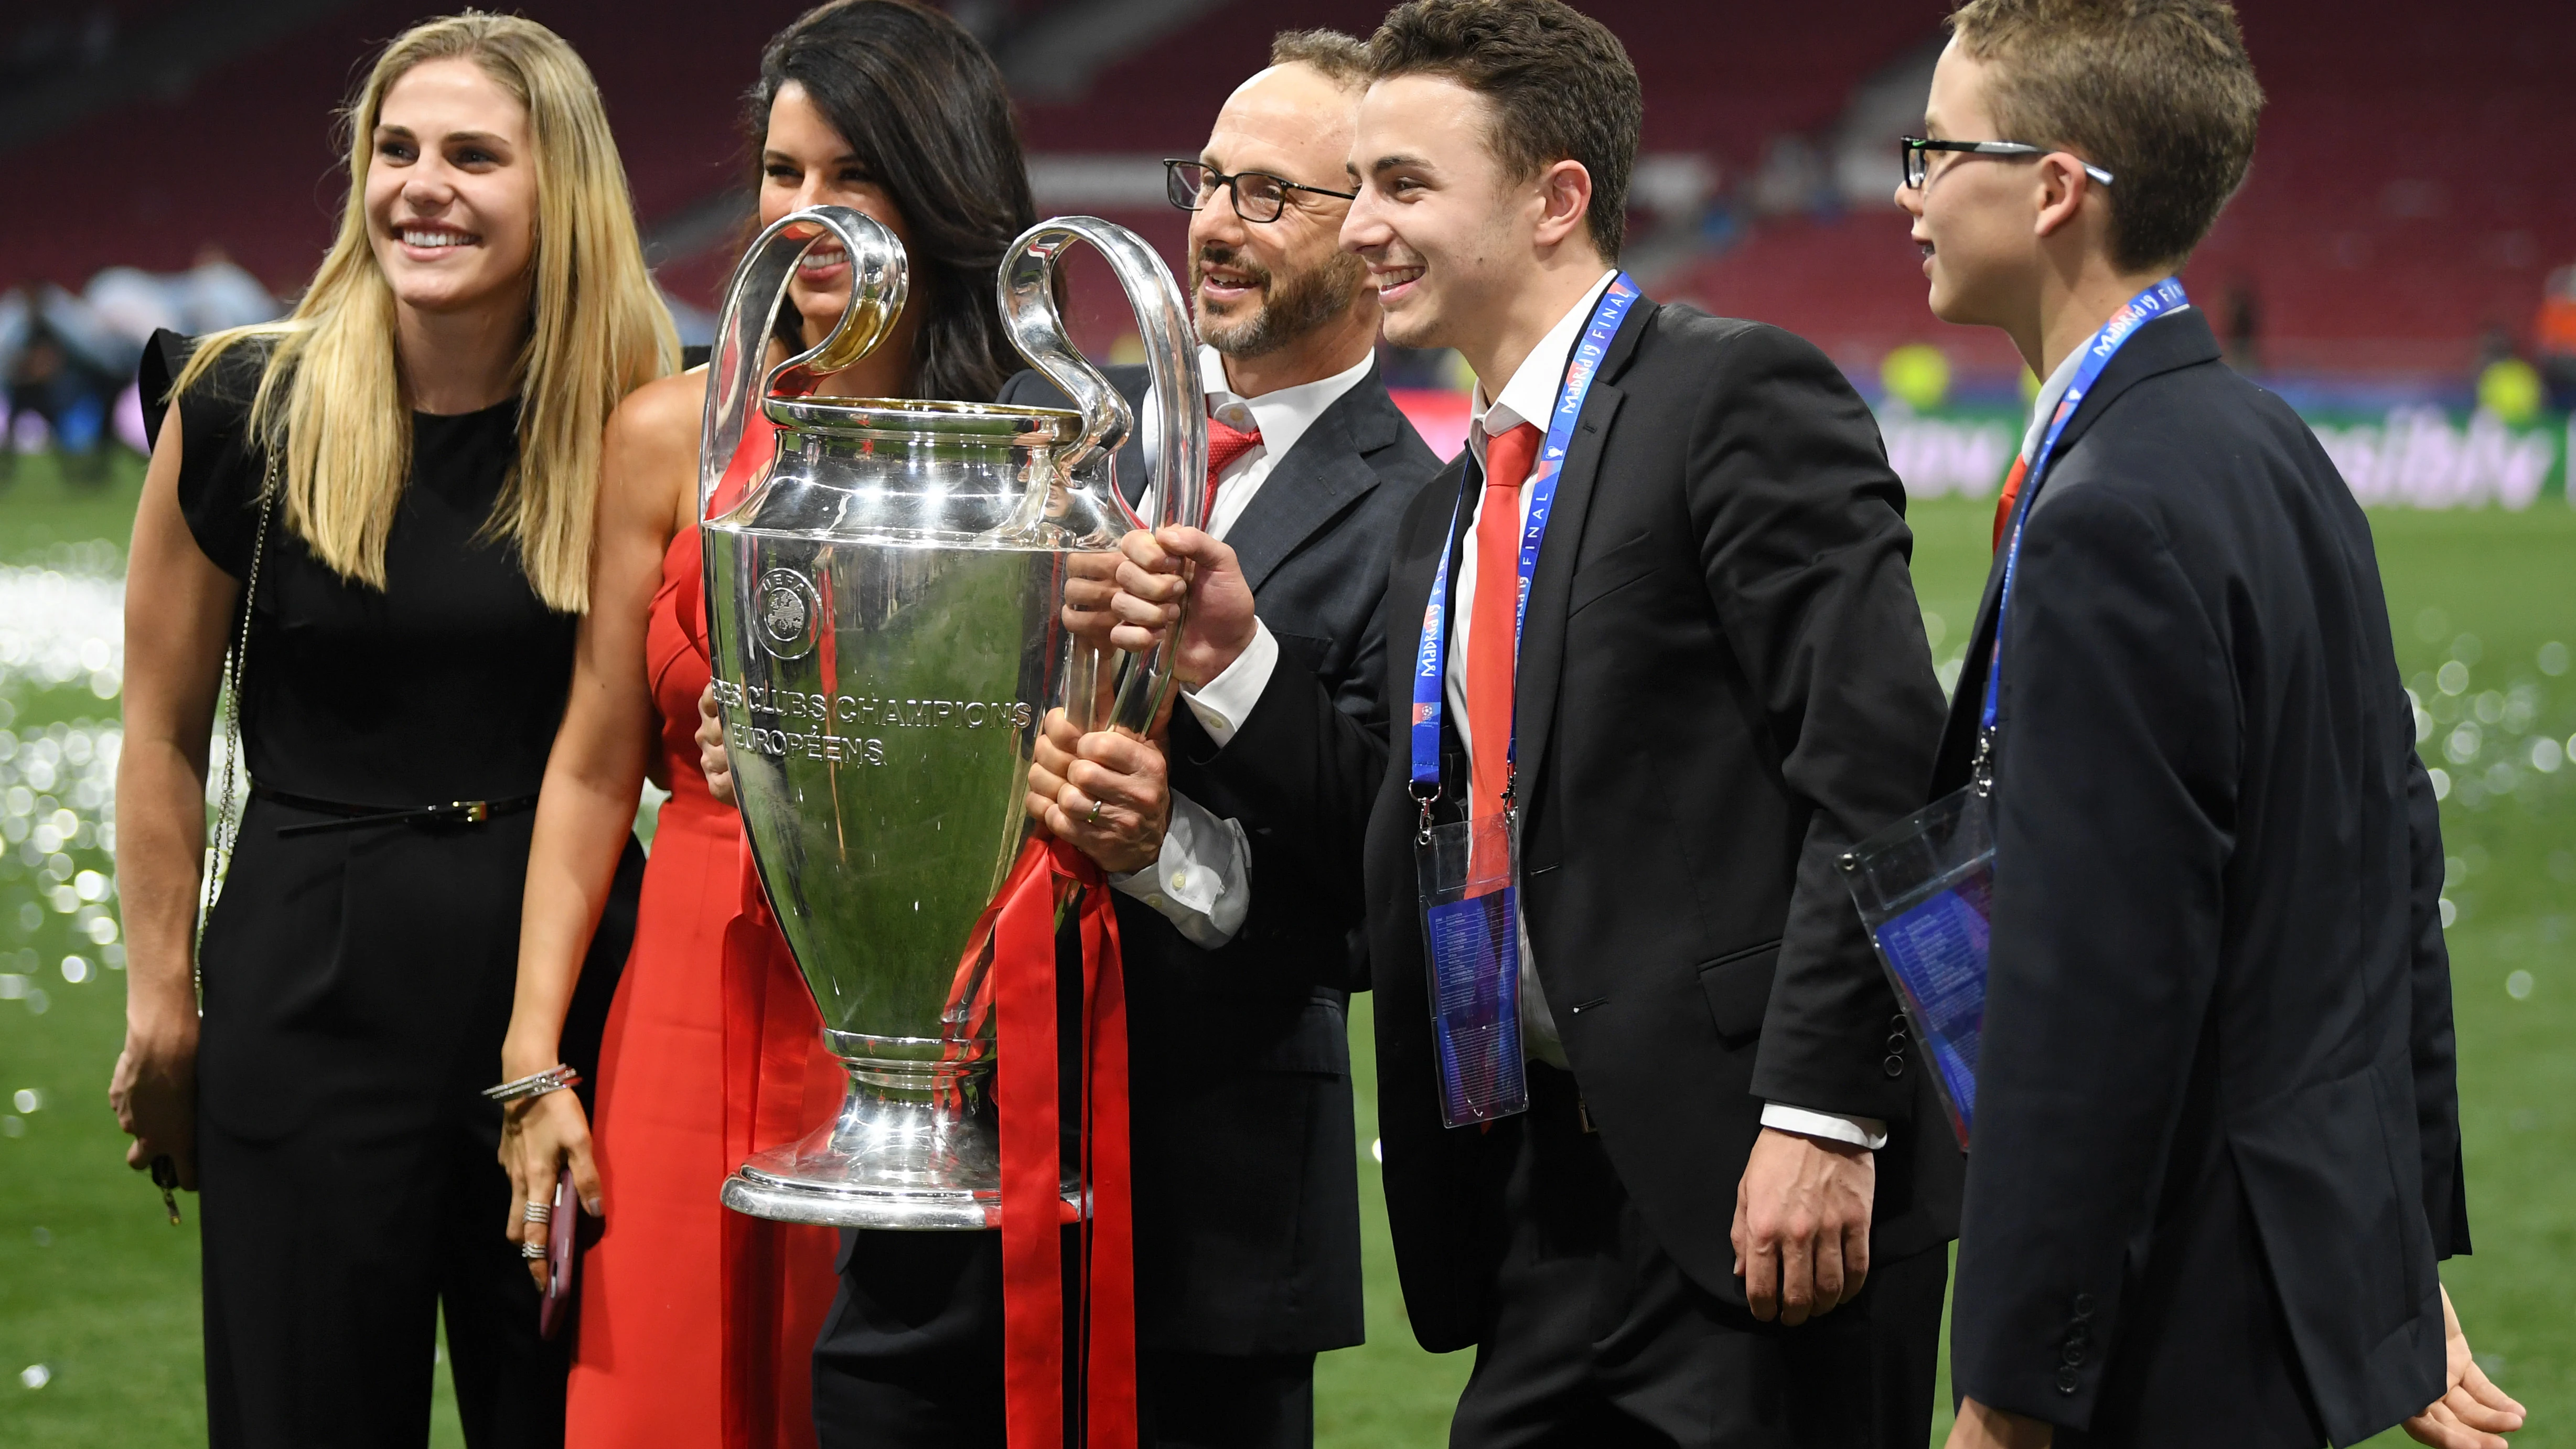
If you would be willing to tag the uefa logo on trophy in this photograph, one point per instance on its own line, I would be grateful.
(786, 607)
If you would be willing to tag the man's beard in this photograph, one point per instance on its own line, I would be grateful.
(1292, 306)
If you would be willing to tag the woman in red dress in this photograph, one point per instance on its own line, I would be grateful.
(696, 1325)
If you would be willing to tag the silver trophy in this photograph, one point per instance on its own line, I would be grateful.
(887, 631)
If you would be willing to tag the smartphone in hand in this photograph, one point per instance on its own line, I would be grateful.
(555, 1308)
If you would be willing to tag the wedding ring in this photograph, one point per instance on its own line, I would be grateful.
(539, 1212)
(1094, 817)
(532, 1251)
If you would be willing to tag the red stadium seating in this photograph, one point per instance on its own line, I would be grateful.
(1719, 78)
(2404, 199)
(2406, 196)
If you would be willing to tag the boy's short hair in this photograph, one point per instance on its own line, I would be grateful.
(1339, 58)
(2160, 93)
(1560, 85)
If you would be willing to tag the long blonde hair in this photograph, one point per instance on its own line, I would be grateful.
(330, 405)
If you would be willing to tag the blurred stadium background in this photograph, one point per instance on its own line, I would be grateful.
(2401, 265)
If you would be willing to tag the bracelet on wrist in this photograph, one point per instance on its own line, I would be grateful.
(536, 1084)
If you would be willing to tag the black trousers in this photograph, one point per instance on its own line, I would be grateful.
(327, 1263)
(910, 1357)
(357, 987)
(1596, 1340)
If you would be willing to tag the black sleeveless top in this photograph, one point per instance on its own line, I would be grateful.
(445, 685)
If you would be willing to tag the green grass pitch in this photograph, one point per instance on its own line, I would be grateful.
(98, 1295)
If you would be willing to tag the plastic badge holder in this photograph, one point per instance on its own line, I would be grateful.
(1471, 933)
(1926, 885)
(1925, 888)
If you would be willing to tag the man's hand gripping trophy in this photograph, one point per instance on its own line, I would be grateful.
(1107, 793)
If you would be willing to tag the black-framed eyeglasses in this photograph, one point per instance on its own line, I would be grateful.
(1258, 195)
(1918, 164)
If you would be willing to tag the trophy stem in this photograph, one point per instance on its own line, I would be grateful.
(913, 1147)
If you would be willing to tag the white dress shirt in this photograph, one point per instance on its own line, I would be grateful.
(1529, 398)
(1202, 881)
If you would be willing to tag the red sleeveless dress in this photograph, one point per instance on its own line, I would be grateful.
(697, 1323)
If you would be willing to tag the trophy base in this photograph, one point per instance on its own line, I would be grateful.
(900, 1155)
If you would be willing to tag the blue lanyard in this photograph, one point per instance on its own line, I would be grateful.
(2165, 296)
(1431, 660)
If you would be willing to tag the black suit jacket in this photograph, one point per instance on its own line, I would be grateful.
(1723, 682)
(2217, 1141)
(1246, 1171)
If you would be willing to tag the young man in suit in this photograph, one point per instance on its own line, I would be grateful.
(2216, 1138)
(1718, 1221)
(1245, 1170)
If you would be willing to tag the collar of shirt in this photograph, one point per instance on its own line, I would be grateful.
(1283, 415)
(2051, 393)
(1530, 395)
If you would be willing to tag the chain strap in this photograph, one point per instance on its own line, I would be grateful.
(219, 847)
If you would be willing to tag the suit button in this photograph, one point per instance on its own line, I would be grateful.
(1896, 1043)
(2066, 1381)
(2083, 1305)
(2074, 1355)
(1894, 1066)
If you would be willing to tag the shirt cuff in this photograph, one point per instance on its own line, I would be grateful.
(1866, 1132)
(1202, 881)
(1225, 702)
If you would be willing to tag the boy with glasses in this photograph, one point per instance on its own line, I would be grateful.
(2216, 1136)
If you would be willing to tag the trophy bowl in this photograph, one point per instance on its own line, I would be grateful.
(887, 632)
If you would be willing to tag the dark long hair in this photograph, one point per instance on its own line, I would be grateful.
(924, 106)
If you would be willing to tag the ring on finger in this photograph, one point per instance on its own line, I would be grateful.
(539, 1212)
(1094, 817)
(532, 1251)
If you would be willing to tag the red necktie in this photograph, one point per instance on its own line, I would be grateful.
(1494, 616)
(1225, 444)
(2012, 493)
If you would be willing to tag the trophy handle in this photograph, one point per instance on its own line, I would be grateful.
(1171, 357)
(879, 283)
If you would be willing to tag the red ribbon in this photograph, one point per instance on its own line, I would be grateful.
(1049, 877)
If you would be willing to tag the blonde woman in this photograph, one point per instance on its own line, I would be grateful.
(403, 472)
